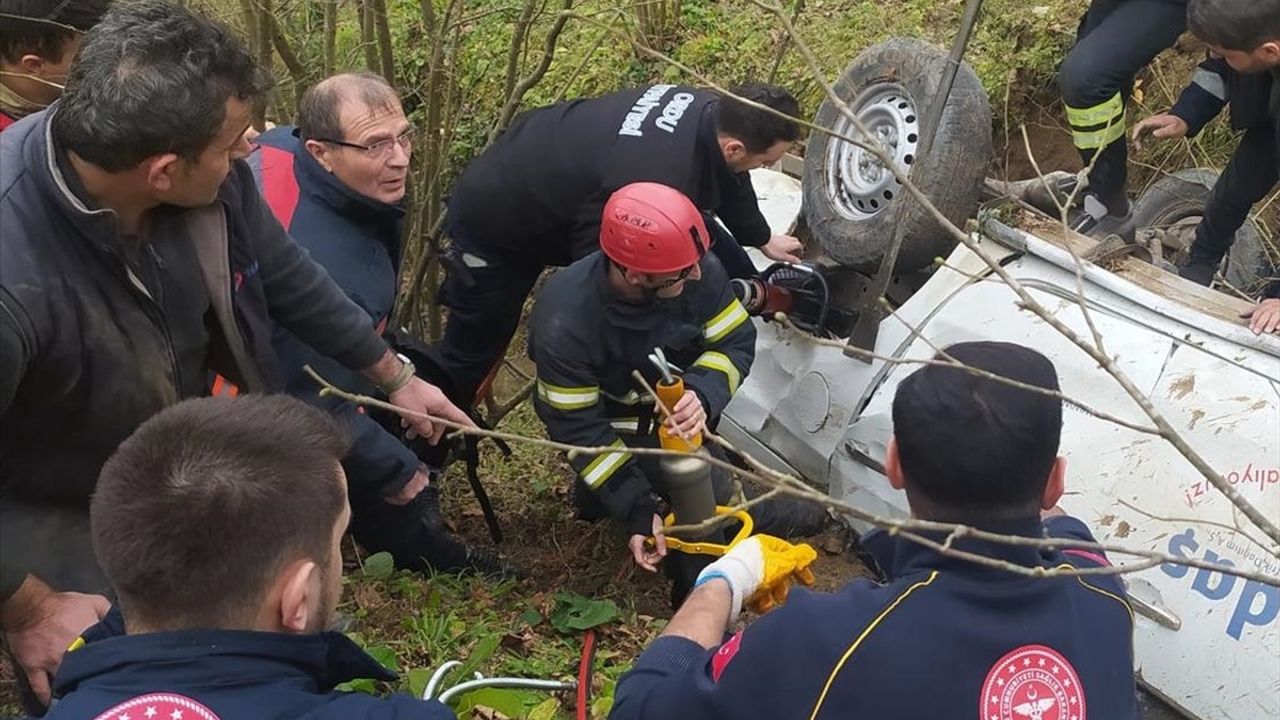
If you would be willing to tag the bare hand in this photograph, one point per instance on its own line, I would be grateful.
(1161, 127)
(423, 397)
(44, 625)
(783, 248)
(688, 418)
(406, 494)
(1265, 318)
(648, 554)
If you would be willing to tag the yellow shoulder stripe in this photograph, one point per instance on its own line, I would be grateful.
(863, 636)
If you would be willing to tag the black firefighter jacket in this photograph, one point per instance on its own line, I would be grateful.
(587, 341)
(537, 194)
(95, 339)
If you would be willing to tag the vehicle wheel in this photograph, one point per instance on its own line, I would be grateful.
(852, 203)
(1170, 210)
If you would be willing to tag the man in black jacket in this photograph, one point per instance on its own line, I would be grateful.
(138, 259)
(533, 199)
(1243, 70)
(652, 285)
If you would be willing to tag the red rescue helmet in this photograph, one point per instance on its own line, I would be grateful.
(652, 228)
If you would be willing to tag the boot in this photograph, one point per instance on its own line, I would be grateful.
(1098, 220)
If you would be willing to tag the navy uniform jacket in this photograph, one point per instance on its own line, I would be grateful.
(357, 241)
(537, 193)
(587, 341)
(225, 675)
(943, 638)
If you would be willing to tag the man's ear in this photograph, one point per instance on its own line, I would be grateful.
(1270, 52)
(302, 583)
(893, 465)
(33, 64)
(1056, 484)
(632, 277)
(732, 148)
(161, 171)
(320, 152)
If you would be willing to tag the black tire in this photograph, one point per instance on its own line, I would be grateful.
(856, 230)
(1180, 198)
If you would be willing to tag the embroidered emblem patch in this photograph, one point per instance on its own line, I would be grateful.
(721, 659)
(159, 706)
(1034, 682)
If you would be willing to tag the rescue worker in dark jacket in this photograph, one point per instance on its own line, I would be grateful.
(942, 636)
(336, 183)
(1116, 39)
(1243, 71)
(38, 40)
(533, 199)
(220, 523)
(138, 258)
(653, 285)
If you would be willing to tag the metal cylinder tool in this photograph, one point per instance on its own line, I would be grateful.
(687, 477)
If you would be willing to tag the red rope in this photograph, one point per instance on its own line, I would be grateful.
(584, 674)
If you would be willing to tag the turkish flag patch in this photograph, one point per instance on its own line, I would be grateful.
(1034, 682)
(159, 706)
(721, 659)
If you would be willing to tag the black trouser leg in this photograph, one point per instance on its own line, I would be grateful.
(485, 298)
(1116, 40)
(732, 256)
(1247, 179)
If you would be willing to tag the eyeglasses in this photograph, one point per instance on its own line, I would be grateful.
(380, 149)
(678, 278)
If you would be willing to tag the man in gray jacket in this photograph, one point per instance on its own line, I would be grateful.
(138, 261)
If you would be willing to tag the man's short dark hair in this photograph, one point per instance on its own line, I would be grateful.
(758, 129)
(974, 448)
(43, 27)
(153, 78)
(199, 510)
(1243, 25)
(320, 109)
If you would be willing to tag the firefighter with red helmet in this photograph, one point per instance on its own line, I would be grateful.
(653, 285)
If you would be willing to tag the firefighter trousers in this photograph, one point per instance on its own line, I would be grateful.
(1247, 179)
(1116, 39)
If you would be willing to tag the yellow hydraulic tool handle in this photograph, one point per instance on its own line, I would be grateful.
(668, 395)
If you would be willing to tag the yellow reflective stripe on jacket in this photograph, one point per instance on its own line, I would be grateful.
(1101, 114)
(719, 361)
(1095, 139)
(626, 424)
(604, 466)
(568, 398)
(725, 321)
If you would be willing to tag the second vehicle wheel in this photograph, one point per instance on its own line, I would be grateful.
(852, 203)
(1170, 210)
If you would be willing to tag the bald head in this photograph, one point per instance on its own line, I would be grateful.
(320, 110)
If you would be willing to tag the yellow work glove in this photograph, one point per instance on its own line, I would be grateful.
(760, 571)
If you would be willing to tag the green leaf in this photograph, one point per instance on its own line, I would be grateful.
(546, 710)
(363, 685)
(574, 612)
(512, 703)
(417, 680)
(480, 652)
(531, 617)
(384, 655)
(600, 706)
(379, 566)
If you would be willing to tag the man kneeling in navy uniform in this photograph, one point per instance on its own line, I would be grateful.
(943, 637)
(219, 523)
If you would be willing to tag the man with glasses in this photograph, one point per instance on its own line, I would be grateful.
(336, 182)
(653, 285)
